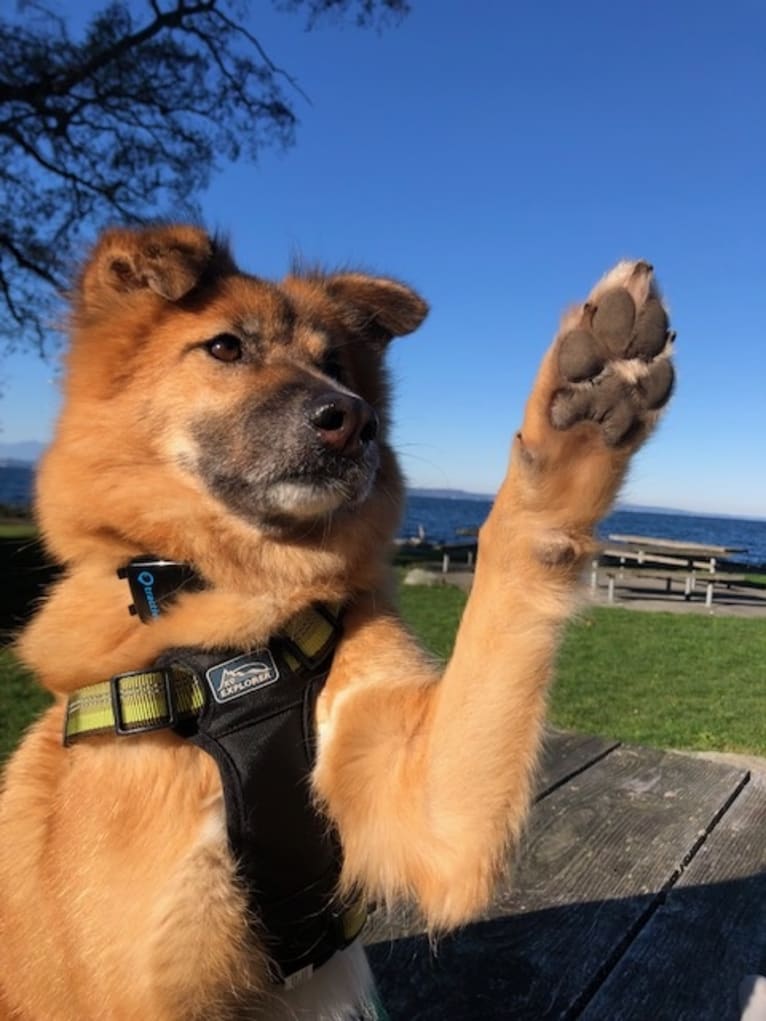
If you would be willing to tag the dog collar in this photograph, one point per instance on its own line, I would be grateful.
(171, 697)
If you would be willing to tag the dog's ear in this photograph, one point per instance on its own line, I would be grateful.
(376, 307)
(167, 261)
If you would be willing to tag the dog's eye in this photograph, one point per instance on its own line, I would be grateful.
(225, 347)
(332, 367)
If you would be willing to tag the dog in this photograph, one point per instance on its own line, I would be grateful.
(222, 458)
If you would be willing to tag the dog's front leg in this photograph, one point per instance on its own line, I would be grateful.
(429, 779)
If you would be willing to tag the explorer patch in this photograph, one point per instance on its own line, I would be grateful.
(240, 676)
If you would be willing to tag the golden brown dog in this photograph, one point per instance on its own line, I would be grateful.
(240, 426)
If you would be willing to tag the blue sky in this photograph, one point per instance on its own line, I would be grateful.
(500, 157)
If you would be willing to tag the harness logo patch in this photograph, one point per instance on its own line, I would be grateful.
(240, 676)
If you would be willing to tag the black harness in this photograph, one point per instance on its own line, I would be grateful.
(254, 713)
(263, 742)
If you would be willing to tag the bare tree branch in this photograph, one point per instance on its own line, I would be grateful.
(127, 122)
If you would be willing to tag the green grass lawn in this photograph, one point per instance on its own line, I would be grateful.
(672, 680)
(677, 681)
(17, 529)
(21, 700)
(669, 680)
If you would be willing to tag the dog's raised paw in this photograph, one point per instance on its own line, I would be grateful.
(613, 357)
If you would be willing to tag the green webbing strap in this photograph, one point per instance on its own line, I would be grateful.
(153, 699)
(133, 703)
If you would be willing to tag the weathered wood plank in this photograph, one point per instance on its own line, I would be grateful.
(688, 961)
(566, 753)
(599, 854)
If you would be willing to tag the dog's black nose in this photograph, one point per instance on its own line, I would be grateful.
(343, 423)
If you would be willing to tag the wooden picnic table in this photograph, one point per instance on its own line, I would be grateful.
(691, 557)
(647, 549)
(464, 549)
(639, 895)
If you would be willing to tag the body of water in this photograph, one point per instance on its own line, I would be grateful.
(441, 517)
(16, 483)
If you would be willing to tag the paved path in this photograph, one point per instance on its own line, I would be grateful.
(638, 592)
(641, 593)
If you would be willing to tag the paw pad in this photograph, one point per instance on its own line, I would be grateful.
(613, 320)
(613, 362)
(580, 356)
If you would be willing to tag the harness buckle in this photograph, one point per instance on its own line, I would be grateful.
(165, 722)
(306, 659)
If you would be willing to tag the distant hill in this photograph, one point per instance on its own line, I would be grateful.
(647, 509)
(23, 450)
(449, 494)
(461, 494)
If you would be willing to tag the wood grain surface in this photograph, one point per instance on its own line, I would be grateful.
(639, 893)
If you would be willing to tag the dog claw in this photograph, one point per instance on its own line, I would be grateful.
(642, 268)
